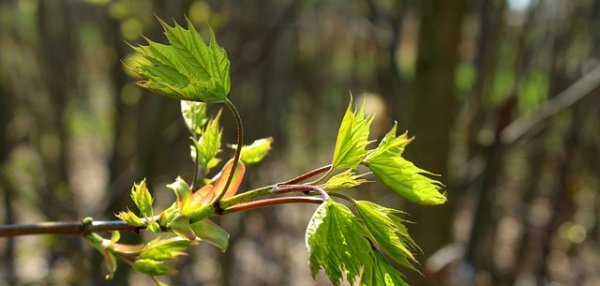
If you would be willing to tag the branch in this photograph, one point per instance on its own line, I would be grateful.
(307, 175)
(238, 152)
(241, 204)
(75, 227)
(516, 129)
(270, 202)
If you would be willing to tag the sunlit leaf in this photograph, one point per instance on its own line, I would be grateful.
(388, 236)
(142, 198)
(194, 115)
(111, 263)
(401, 175)
(256, 151)
(380, 273)
(212, 233)
(336, 242)
(209, 144)
(152, 267)
(186, 68)
(115, 236)
(352, 139)
(130, 218)
(182, 192)
(208, 193)
(181, 226)
(165, 249)
(344, 180)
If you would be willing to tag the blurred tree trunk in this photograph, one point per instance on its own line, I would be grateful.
(6, 144)
(432, 110)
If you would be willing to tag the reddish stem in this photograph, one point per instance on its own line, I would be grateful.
(270, 202)
(307, 175)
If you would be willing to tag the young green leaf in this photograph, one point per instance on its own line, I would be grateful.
(152, 267)
(111, 263)
(344, 180)
(352, 139)
(256, 151)
(194, 115)
(186, 68)
(336, 242)
(181, 226)
(162, 249)
(142, 198)
(182, 192)
(401, 175)
(388, 236)
(212, 233)
(130, 218)
(209, 145)
(380, 273)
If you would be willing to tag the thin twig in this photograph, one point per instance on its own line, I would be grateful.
(307, 175)
(280, 189)
(516, 129)
(272, 201)
(238, 152)
(75, 227)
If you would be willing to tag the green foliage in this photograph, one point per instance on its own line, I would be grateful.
(212, 233)
(346, 246)
(130, 218)
(352, 139)
(256, 151)
(194, 115)
(209, 145)
(401, 175)
(142, 198)
(379, 272)
(389, 235)
(336, 242)
(152, 267)
(186, 68)
(344, 180)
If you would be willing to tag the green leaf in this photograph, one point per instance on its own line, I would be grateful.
(401, 175)
(111, 263)
(352, 139)
(181, 226)
(344, 180)
(186, 68)
(336, 242)
(209, 144)
(115, 236)
(212, 233)
(130, 218)
(152, 267)
(194, 115)
(380, 273)
(256, 151)
(165, 249)
(142, 198)
(182, 192)
(390, 237)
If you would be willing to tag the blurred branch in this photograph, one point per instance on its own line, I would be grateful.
(76, 227)
(522, 125)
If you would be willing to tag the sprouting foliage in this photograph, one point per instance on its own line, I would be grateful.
(352, 139)
(348, 245)
(187, 68)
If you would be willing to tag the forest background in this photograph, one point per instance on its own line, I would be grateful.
(501, 95)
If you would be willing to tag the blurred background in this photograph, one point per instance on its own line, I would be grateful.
(502, 96)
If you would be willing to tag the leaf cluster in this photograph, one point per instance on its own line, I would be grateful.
(352, 248)
(356, 246)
